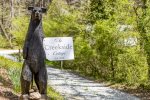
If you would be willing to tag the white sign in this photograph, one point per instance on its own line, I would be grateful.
(59, 48)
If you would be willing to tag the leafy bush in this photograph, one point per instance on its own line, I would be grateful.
(3, 44)
(19, 30)
(132, 67)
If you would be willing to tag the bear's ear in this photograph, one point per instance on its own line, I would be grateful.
(44, 10)
(30, 8)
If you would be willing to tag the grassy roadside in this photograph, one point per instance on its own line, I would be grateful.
(14, 69)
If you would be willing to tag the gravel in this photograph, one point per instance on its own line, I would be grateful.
(74, 87)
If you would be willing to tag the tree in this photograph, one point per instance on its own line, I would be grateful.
(142, 12)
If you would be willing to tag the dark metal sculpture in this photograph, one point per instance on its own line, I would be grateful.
(34, 55)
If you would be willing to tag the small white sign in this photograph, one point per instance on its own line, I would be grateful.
(58, 48)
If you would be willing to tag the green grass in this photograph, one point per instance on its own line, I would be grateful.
(54, 95)
(14, 71)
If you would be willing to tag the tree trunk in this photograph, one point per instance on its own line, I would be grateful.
(2, 16)
(12, 8)
(3, 31)
(112, 67)
(5, 34)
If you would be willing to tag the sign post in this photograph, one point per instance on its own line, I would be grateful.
(62, 65)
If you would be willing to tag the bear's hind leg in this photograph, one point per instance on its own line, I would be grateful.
(26, 78)
(41, 82)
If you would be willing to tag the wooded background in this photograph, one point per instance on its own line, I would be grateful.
(111, 37)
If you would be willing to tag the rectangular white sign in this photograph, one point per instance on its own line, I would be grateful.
(58, 48)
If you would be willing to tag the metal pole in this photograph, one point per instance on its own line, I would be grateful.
(33, 3)
(61, 65)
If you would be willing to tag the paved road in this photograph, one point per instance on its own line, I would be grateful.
(6, 54)
(73, 87)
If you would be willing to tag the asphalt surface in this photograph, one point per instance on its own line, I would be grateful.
(6, 54)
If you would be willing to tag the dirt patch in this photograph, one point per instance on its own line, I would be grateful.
(142, 93)
(4, 78)
(6, 91)
(2, 98)
(6, 87)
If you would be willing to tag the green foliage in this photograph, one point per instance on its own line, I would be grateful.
(97, 10)
(101, 52)
(142, 25)
(14, 74)
(14, 70)
(5, 43)
(5, 63)
(106, 38)
(20, 26)
(60, 22)
(132, 67)
(53, 95)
